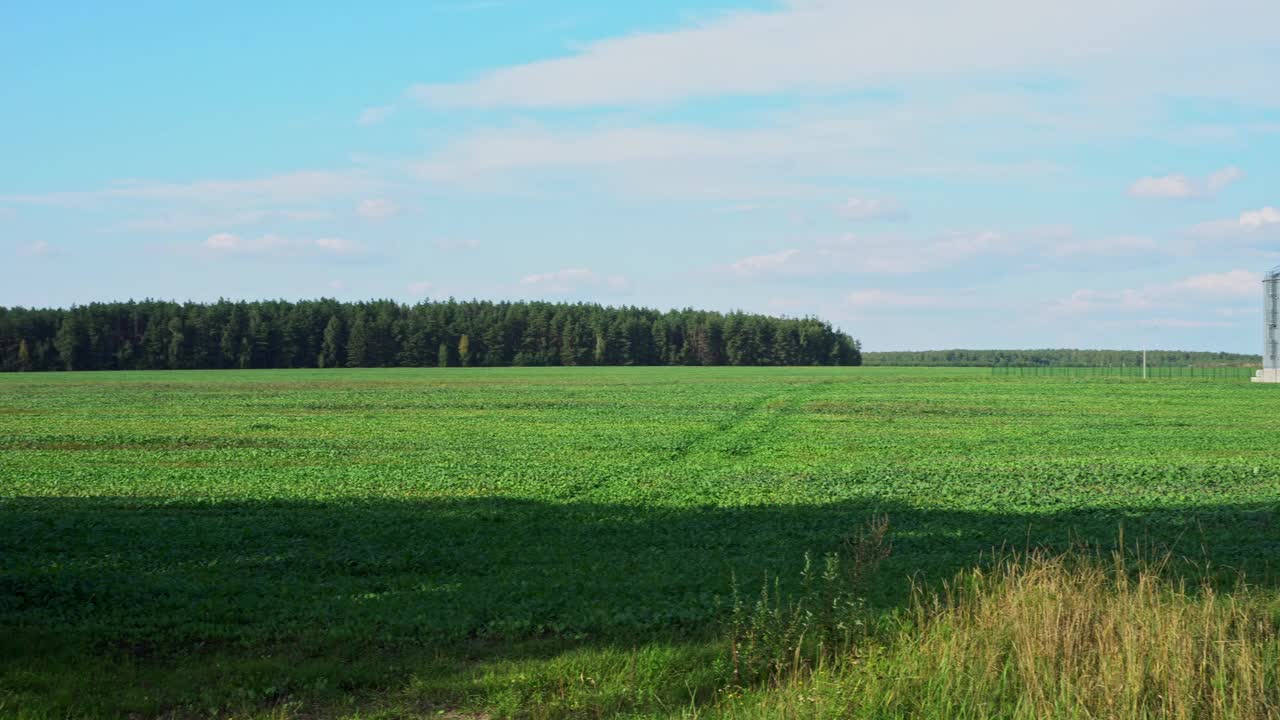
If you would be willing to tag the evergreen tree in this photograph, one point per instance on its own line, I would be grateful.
(331, 348)
(602, 347)
(24, 356)
(176, 339)
(464, 350)
(358, 344)
(66, 342)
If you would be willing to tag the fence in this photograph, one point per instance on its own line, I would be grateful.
(1131, 371)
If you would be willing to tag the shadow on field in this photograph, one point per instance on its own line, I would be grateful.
(144, 569)
(155, 577)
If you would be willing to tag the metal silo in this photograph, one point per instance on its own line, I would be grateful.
(1270, 371)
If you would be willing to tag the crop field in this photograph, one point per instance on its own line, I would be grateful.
(335, 542)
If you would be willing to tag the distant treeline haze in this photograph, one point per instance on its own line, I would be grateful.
(1058, 358)
(327, 333)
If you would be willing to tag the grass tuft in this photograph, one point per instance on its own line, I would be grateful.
(1072, 635)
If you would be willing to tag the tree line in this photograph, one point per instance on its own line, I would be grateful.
(1058, 358)
(325, 333)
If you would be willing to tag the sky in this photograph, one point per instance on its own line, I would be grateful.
(923, 174)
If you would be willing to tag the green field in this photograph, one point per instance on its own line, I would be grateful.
(333, 542)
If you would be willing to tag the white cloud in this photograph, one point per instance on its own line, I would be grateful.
(39, 248)
(456, 245)
(338, 285)
(270, 245)
(1112, 246)
(232, 244)
(1086, 301)
(816, 45)
(1259, 218)
(1238, 311)
(569, 280)
(377, 209)
(1222, 178)
(961, 245)
(1234, 283)
(179, 222)
(291, 186)
(876, 254)
(889, 299)
(420, 288)
(757, 264)
(375, 115)
(784, 157)
(1184, 324)
(559, 276)
(339, 246)
(1195, 292)
(1169, 186)
(1249, 227)
(1181, 186)
(859, 208)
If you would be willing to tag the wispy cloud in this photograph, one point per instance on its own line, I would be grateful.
(37, 249)
(788, 155)
(570, 280)
(182, 221)
(816, 45)
(377, 209)
(270, 245)
(1198, 292)
(290, 186)
(1260, 224)
(375, 115)
(759, 264)
(1107, 246)
(859, 208)
(456, 244)
(853, 253)
(1230, 284)
(1260, 218)
(1183, 187)
(866, 299)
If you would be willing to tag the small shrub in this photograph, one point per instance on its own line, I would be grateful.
(779, 636)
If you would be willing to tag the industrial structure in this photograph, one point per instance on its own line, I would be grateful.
(1270, 372)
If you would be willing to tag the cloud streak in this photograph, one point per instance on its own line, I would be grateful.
(571, 280)
(377, 209)
(1182, 187)
(829, 45)
(270, 245)
(290, 186)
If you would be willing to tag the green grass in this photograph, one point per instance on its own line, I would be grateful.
(549, 542)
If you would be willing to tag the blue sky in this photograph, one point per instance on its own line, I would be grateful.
(924, 174)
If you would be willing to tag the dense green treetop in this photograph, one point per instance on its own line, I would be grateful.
(152, 334)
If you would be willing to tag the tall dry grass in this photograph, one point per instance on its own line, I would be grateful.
(1053, 636)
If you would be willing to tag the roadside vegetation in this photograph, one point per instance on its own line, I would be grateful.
(1037, 635)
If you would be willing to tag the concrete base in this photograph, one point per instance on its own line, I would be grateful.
(1268, 375)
